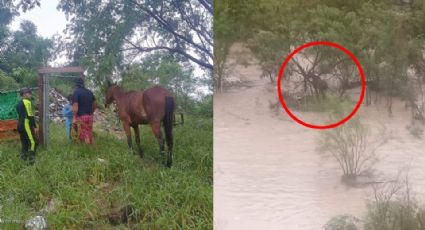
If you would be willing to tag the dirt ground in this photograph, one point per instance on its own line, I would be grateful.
(267, 171)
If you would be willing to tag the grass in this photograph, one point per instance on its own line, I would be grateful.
(330, 103)
(90, 185)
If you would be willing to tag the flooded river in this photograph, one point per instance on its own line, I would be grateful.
(268, 174)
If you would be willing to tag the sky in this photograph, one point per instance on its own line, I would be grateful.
(49, 21)
(47, 18)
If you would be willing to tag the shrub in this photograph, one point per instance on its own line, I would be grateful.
(351, 146)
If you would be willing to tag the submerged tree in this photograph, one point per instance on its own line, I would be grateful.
(352, 147)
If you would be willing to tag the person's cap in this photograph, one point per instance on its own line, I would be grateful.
(24, 91)
(79, 82)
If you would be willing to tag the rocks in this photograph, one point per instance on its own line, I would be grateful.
(36, 223)
(100, 160)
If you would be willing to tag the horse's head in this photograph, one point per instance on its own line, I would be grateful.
(109, 98)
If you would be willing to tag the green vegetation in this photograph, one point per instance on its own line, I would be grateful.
(393, 208)
(352, 147)
(386, 36)
(330, 103)
(182, 29)
(89, 185)
(22, 55)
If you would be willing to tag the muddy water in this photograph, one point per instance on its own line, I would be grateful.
(268, 174)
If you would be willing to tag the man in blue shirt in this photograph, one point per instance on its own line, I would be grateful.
(83, 107)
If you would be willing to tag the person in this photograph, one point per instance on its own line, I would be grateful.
(83, 107)
(67, 114)
(26, 126)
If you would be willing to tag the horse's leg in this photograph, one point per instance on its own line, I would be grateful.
(127, 130)
(137, 134)
(156, 129)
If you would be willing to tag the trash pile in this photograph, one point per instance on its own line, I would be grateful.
(57, 102)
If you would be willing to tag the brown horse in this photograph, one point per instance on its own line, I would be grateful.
(151, 106)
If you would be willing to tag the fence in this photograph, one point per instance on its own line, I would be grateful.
(8, 114)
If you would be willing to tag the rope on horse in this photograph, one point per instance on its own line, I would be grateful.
(75, 131)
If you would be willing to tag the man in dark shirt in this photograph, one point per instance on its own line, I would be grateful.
(83, 107)
(26, 126)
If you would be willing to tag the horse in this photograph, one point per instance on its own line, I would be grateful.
(151, 106)
(320, 86)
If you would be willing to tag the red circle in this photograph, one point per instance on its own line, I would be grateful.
(323, 43)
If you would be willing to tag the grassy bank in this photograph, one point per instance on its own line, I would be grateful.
(91, 187)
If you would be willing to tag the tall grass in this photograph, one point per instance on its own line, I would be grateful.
(330, 103)
(86, 186)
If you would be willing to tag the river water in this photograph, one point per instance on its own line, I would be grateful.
(268, 173)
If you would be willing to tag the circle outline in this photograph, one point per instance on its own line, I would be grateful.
(323, 43)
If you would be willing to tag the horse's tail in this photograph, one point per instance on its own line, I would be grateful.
(168, 126)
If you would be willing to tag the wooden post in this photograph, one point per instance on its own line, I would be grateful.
(43, 93)
(45, 110)
(41, 108)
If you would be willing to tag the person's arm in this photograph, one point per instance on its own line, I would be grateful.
(94, 106)
(29, 114)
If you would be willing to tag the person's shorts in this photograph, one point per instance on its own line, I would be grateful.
(86, 127)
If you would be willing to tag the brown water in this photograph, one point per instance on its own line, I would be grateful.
(268, 174)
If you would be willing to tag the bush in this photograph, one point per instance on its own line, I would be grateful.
(351, 146)
(342, 222)
(7, 83)
(393, 208)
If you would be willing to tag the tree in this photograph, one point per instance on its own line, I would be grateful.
(387, 37)
(9, 10)
(224, 36)
(25, 53)
(352, 147)
(162, 69)
(108, 35)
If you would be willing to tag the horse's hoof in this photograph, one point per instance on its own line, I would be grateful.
(169, 164)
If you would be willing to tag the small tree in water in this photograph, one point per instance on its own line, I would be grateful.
(351, 146)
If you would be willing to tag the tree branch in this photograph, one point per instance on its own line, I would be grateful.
(207, 4)
(167, 27)
(172, 50)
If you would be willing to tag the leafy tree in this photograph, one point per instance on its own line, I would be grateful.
(25, 53)
(7, 82)
(110, 35)
(162, 69)
(9, 10)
